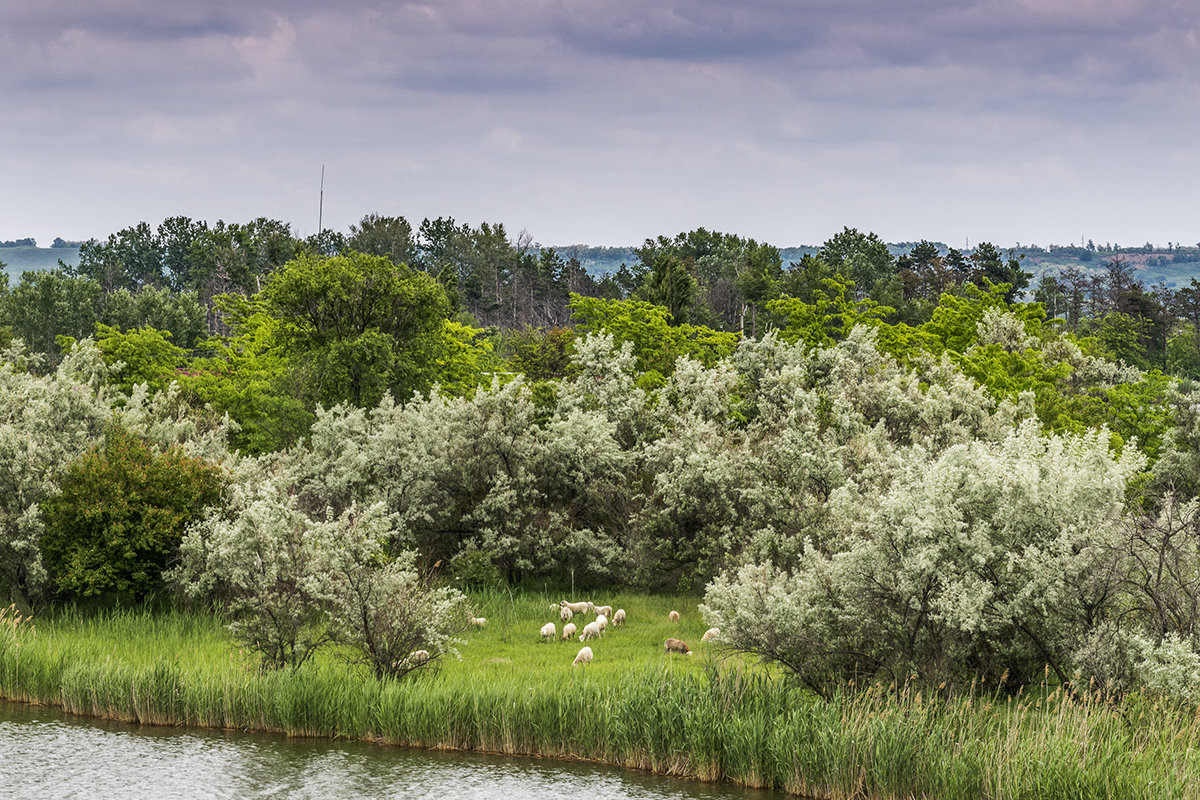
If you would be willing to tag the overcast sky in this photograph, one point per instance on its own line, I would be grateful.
(581, 121)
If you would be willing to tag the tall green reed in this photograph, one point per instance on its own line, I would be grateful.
(703, 717)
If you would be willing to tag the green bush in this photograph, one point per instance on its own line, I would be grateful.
(120, 513)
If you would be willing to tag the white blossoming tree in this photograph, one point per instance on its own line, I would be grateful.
(46, 422)
(988, 558)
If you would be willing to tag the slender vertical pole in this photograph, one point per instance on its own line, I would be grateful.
(321, 204)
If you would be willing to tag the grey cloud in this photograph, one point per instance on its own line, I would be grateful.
(685, 31)
(703, 96)
(135, 20)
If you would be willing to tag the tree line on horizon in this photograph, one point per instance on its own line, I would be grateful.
(501, 283)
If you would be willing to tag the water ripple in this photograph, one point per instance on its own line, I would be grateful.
(45, 755)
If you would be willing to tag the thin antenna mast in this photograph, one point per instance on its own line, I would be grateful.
(321, 204)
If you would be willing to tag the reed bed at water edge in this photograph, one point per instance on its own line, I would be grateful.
(708, 716)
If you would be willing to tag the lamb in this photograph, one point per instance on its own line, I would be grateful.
(602, 622)
(549, 631)
(673, 616)
(583, 606)
(479, 622)
(677, 646)
(568, 630)
(619, 618)
(418, 657)
(584, 657)
(710, 634)
(566, 614)
(590, 631)
(605, 610)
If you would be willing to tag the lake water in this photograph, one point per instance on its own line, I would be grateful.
(47, 755)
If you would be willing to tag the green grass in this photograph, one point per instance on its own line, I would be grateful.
(703, 716)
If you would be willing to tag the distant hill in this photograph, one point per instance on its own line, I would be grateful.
(601, 261)
(29, 259)
(1175, 268)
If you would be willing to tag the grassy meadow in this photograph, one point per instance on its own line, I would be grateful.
(707, 716)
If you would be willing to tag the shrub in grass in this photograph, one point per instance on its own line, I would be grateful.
(381, 605)
(262, 559)
(120, 513)
(294, 584)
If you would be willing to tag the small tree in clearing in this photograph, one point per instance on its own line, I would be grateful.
(117, 521)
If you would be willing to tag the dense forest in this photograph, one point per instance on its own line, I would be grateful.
(870, 462)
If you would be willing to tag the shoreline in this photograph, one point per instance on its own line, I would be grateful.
(700, 719)
(385, 742)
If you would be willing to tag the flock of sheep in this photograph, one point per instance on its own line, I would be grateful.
(595, 629)
(592, 630)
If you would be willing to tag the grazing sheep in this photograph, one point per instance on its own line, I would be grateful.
(568, 630)
(584, 657)
(619, 618)
(549, 631)
(590, 631)
(566, 614)
(418, 657)
(602, 622)
(583, 606)
(605, 610)
(710, 634)
(677, 646)
(479, 622)
(673, 616)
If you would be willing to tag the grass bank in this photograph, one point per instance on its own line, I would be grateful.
(702, 716)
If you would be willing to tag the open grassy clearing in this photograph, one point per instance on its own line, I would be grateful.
(510, 642)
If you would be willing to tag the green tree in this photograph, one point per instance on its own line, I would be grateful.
(829, 318)
(130, 258)
(657, 343)
(862, 259)
(669, 284)
(145, 355)
(179, 313)
(121, 511)
(990, 264)
(357, 325)
(47, 305)
(250, 377)
(390, 237)
(539, 354)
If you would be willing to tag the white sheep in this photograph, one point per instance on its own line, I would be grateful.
(549, 631)
(584, 657)
(619, 618)
(566, 614)
(478, 622)
(710, 634)
(590, 631)
(418, 657)
(601, 622)
(605, 610)
(673, 616)
(583, 606)
(568, 630)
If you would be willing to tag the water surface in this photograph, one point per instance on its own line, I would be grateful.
(48, 755)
